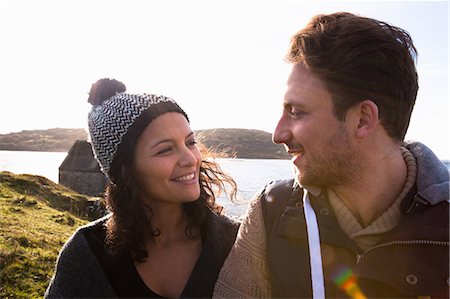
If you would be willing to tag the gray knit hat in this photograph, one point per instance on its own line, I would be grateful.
(114, 112)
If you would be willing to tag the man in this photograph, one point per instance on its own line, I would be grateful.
(367, 214)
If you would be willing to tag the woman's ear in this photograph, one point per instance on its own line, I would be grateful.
(368, 118)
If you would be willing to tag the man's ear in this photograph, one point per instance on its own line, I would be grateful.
(368, 118)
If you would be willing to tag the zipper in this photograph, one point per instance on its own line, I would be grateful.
(394, 243)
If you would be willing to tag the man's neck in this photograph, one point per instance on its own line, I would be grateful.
(376, 188)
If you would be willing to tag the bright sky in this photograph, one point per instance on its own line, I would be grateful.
(222, 61)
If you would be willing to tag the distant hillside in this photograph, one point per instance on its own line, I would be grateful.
(240, 143)
(243, 143)
(51, 140)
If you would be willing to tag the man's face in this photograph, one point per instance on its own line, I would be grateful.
(320, 144)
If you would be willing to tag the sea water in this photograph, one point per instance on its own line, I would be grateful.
(250, 174)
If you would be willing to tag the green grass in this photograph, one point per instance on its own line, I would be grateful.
(36, 218)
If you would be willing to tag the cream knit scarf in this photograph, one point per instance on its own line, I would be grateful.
(368, 236)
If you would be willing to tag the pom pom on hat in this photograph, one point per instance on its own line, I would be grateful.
(104, 89)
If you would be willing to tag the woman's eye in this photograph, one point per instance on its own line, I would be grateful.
(192, 142)
(163, 151)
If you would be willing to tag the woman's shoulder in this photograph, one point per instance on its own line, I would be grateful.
(80, 237)
(226, 221)
(223, 228)
(78, 271)
(94, 225)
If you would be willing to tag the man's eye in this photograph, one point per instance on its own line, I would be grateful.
(295, 113)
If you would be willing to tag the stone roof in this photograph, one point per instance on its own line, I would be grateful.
(80, 158)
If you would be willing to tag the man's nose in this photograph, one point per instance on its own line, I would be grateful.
(282, 133)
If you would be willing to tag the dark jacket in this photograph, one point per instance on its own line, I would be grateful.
(79, 273)
(409, 261)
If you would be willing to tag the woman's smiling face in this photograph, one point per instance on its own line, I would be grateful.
(167, 161)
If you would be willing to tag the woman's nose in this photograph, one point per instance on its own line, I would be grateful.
(187, 158)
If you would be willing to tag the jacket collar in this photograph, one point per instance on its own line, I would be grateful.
(432, 175)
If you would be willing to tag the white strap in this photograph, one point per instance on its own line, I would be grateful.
(315, 256)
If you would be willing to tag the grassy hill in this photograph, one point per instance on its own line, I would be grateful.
(37, 217)
(240, 143)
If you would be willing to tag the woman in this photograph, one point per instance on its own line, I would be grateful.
(165, 236)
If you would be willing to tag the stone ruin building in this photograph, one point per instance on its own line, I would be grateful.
(80, 171)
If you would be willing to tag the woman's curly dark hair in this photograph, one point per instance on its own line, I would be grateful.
(129, 227)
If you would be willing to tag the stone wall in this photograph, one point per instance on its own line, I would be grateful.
(88, 183)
